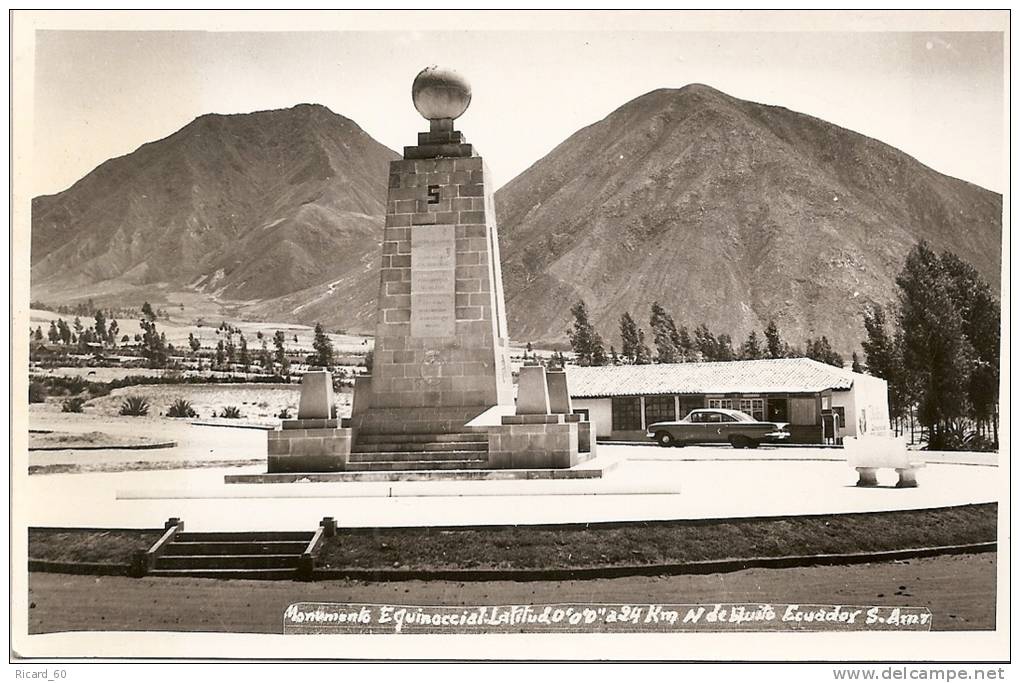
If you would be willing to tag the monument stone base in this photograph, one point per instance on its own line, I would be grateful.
(315, 441)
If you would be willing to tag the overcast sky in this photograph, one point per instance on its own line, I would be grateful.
(100, 94)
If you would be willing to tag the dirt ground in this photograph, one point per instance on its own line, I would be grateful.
(959, 590)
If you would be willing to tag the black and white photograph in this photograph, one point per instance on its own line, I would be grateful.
(518, 336)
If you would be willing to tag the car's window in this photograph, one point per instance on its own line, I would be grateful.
(713, 417)
(728, 418)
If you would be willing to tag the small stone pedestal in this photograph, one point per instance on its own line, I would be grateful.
(316, 441)
(867, 476)
(536, 437)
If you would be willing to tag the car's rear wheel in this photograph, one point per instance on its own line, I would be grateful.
(665, 439)
(741, 442)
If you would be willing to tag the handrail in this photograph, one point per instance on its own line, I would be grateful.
(144, 560)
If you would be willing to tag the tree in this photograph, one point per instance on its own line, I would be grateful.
(53, 335)
(38, 334)
(148, 313)
(981, 326)
(704, 343)
(194, 343)
(281, 353)
(100, 327)
(584, 340)
(643, 356)
(855, 364)
(935, 348)
(724, 348)
(264, 357)
(111, 332)
(153, 342)
(228, 347)
(323, 347)
(688, 350)
(752, 348)
(65, 331)
(243, 352)
(613, 358)
(220, 355)
(821, 350)
(665, 335)
(78, 327)
(630, 338)
(774, 346)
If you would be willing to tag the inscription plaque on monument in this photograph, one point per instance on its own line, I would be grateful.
(433, 281)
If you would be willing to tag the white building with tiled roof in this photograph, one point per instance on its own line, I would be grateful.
(621, 400)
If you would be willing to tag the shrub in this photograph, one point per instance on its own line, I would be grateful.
(232, 412)
(75, 404)
(36, 392)
(181, 408)
(134, 406)
(284, 414)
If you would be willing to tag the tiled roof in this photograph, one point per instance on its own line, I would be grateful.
(780, 375)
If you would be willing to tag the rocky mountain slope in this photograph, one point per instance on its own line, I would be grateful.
(241, 207)
(728, 213)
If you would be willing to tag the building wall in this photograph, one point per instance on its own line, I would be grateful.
(847, 401)
(600, 413)
(871, 395)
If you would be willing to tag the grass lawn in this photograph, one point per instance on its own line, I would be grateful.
(581, 546)
(72, 545)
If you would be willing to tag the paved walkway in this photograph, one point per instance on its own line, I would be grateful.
(645, 484)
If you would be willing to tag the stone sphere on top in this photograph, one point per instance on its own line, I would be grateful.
(440, 93)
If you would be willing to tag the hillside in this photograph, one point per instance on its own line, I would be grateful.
(241, 207)
(729, 213)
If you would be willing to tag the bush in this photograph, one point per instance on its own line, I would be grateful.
(181, 408)
(36, 392)
(134, 406)
(75, 404)
(231, 412)
(284, 414)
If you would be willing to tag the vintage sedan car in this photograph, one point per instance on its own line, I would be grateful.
(718, 425)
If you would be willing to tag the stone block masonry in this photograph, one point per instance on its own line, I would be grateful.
(441, 331)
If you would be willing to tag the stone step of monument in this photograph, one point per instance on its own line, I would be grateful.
(170, 561)
(237, 547)
(405, 465)
(248, 536)
(421, 447)
(458, 437)
(287, 574)
(430, 456)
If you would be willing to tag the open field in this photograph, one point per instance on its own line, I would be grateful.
(258, 403)
(959, 590)
(204, 328)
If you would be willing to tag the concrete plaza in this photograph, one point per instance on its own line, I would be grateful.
(640, 483)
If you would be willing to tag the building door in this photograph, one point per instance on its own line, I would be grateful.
(803, 411)
(778, 410)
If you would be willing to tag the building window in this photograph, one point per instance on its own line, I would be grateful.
(755, 407)
(726, 403)
(841, 411)
(584, 413)
(626, 414)
(659, 409)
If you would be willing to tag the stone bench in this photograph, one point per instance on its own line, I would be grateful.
(869, 453)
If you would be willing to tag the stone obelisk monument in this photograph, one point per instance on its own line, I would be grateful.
(440, 396)
(441, 346)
